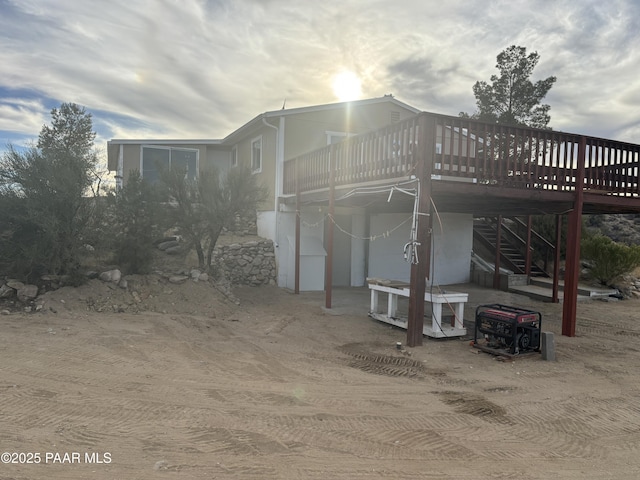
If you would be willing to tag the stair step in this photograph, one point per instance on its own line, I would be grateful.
(583, 290)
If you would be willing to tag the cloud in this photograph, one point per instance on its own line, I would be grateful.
(201, 69)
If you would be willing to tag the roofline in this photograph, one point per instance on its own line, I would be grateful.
(146, 141)
(257, 120)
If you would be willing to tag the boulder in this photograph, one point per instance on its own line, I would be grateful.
(111, 276)
(168, 244)
(27, 293)
(15, 284)
(6, 291)
(178, 278)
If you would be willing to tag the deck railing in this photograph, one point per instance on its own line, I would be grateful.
(467, 150)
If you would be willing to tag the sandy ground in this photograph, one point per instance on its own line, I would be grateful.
(277, 388)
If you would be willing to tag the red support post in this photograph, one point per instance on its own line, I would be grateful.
(556, 260)
(527, 257)
(572, 267)
(496, 272)
(420, 270)
(297, 234)
(328, 270)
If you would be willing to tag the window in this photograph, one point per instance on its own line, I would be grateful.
(156, 159)
(234, 156)
(337, 137)
(256, 155)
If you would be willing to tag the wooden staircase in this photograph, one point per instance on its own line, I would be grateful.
(512, 247)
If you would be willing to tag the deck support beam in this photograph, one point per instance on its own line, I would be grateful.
(328, 266)
(527, 257)
(296, 287)
(572, 267)
(297, 253)
(556, 261)
(420, 270)
(496, 271)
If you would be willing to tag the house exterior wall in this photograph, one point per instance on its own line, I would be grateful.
(451, 254)
(283, 137)
(308, 131)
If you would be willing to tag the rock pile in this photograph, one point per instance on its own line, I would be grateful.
(252, 263)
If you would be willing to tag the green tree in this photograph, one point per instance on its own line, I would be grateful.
(512, 98)
(44, 212)
(203, 207)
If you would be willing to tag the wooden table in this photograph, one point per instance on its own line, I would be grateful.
(451, 302)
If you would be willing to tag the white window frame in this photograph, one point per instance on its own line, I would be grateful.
(234, 156)
(342, 135)
(254, 141)
(162, 147)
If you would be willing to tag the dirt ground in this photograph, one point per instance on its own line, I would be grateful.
(193, 386)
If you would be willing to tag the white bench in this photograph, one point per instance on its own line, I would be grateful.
(453, 303)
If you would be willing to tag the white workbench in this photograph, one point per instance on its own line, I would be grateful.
(453, 307)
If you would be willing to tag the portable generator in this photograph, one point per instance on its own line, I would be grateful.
(510, 329)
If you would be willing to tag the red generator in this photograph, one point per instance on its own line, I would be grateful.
(511, 329)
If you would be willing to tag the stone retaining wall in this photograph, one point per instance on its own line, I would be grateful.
(251, 263)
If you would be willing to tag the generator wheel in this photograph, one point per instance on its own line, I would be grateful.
(524, 341)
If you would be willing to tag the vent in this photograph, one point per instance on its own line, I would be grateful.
(395, 116)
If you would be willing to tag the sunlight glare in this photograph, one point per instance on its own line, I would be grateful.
(347, 86)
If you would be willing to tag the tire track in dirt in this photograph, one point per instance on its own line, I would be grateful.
(363, 358)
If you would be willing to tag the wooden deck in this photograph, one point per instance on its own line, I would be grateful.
(473, 167)
(478, 167)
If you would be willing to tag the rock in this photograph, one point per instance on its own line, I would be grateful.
(15, 284)
(178, 279)
(195, 274)
(27, 293)
(168, 244)
(6, 291)
(123, 283)
(173, 250)
(5, 312)
(203, 277)
(111, 276)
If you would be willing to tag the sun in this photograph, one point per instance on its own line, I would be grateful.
(347, 86)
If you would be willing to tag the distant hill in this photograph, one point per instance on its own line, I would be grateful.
(620, 228)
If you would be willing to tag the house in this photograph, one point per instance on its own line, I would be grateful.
(264, 144)
(378, 189)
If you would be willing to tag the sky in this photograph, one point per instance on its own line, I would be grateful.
(178, 69)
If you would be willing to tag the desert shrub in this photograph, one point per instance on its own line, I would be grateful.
(609, 259)
(201, 208)
(134, 222)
